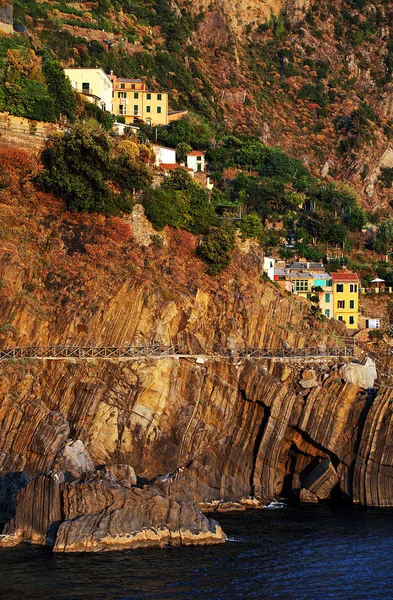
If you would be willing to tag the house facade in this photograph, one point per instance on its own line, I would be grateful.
(133, 101)
(346, 298)
(93, 84)
(196, 161)
(164, 155)
(268, 266)
(323, 288)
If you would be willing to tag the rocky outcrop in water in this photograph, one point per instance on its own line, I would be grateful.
(100, 513)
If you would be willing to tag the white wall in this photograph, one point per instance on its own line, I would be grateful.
(167, 156)
(268, 266)
(192, 162)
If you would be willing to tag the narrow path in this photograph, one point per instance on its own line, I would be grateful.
(157, 351)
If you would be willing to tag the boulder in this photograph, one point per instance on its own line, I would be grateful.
(308, 497)
(363, 375)
(123, 473)
(308, 383)
(75, 459)
(309, 379)
(320, 481)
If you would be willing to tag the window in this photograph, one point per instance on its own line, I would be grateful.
(133, 86)
(199, 168)
(136, 109)
(86, 87)
(301, 285)
(136, 95)
(341, 304)
(122, 86)
(158, 109)
(353, 288)
(308, 296)
(351, 320)
(122, 109)
(113, 94)
(352, 304)
(147, 108)
(327, 298)
(327, 313)
(340, 318)
(199, 157)
(148, 96)
(159, 96)
(122, 94)
(339, 287)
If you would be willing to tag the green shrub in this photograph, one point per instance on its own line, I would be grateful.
(180, 203)
(216, 248)
(78, 168)
(251, 227)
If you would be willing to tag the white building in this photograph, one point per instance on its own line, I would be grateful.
(94, 84)
(268, 266)
(164, 155)
(196, 161)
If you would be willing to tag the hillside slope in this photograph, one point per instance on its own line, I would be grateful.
(312, 77)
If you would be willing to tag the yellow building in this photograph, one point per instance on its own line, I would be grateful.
(346, 298)
(131, 100)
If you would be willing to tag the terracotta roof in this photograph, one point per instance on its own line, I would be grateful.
(344, 276)
(196, 153)
(172, 167)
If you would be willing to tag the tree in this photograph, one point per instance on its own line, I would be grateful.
(216, 248)
(182, 150)
(252, 154)
(29, 98)
(77, 168)
(180, 203)
(164, 207)
(130, 174)
(60, 89)
(383, 241)
(104, 118)
(251, 227)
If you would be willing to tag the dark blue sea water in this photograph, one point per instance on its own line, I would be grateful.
(312, 553)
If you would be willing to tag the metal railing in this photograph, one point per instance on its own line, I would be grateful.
(160, 351)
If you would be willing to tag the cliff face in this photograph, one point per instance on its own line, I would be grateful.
(224, 429)
(233, 429)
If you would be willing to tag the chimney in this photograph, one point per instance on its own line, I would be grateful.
(308, 265)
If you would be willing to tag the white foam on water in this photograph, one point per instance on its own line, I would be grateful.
(276, 504)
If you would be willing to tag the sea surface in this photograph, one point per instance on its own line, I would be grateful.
(293, 553)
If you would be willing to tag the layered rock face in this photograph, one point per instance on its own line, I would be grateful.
(100, 513)
(75, 434)
(227, 429)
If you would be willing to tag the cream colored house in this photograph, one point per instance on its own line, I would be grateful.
(93, 84)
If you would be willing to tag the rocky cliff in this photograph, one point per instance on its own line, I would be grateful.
(206, 430)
